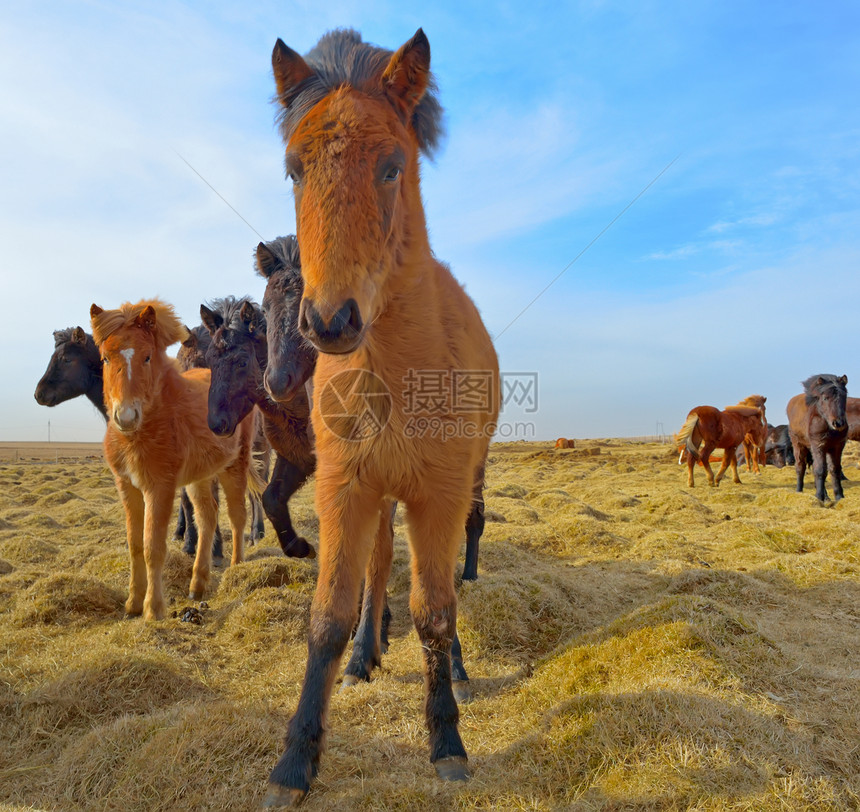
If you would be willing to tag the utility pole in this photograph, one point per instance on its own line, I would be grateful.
(49, 431)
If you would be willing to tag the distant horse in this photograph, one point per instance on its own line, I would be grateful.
(158, 440)
(752, 452)
(192, 355)
(75, 369)
(852, 415)
(384, 313)
(778, 448)
(725, 429)
(818, 425)
(237, 354)
(291, 361)
(563, 442)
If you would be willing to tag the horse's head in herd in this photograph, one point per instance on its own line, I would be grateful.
(192, 351)
(828, 393)
(291, 358)
(354, 118)
(132, 342)
(74, 368)
(237, 358)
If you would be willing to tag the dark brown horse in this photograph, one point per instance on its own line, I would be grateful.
(852, 415)
(818, 426)
(291, 361)
(192, 355)
(725, 429)
(778, 448)
(381, 310)
(237, 356)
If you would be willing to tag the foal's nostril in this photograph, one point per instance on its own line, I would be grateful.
(352, 316)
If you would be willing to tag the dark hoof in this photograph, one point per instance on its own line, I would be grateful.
(278, 797)
(299, 548)
(195, 596)
(462, 690)
(453, 768)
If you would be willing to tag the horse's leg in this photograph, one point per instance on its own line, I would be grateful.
(218, 543)
(186, 516)
(434, 537)
(179, 532)
(234, 482)
(800, 451)
(733, 461)
(132, 501)
(286, 479)
(705, 456)
(835, 466)
(348, 517)
(474, 529)
(158, 507)
(367, 646)
(258, 529)
(206, 507)
(819, 472)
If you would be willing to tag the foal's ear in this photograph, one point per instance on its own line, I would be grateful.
(267, 262)
(211, 320)
(190, 340)
(146, 318)
(79, 336)
(290, 71)
(843, 380)
(408, 73)
(251, 318)
(95, 310)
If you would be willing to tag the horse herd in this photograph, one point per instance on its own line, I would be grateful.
(820, 421)
(364, 308)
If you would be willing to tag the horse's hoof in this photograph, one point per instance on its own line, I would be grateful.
(350, 681)
(453, 768)
(195, 595)
(278, 797)
(462, 690)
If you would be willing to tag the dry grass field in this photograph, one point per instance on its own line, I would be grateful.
(632, 643)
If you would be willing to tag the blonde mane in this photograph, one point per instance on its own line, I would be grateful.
(168, 327)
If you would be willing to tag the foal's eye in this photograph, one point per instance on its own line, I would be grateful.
(392, 174)
(146, 360)
(105, 361)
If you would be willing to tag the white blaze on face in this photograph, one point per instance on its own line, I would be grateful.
(128, 354)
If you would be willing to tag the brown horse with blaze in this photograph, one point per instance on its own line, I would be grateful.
(157, 440)
(387, 317)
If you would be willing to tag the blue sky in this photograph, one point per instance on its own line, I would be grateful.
(735, 272)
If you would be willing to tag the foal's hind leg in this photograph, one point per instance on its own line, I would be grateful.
(234, 483)
(206, 510)
(705, 455)
(367, 646)
(434, 535)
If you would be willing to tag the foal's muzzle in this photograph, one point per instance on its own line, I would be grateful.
(127, 417)
(343, 332)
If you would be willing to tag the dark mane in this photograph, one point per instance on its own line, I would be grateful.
(285, 249)
(341, 58)
(230, 310)
(817, 385)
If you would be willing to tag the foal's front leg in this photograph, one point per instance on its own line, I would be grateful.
(348, 517)
(158, 507)
(132, 501)
(434, 536)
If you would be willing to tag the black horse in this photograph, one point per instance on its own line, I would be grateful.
(818, 425)
(778, 448)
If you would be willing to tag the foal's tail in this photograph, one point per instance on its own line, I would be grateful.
(685, 435)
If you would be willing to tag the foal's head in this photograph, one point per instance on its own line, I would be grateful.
(74, 368)
(132, 342)
(237, 358)
(291, 358)
(829, 394)
(354, 120)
